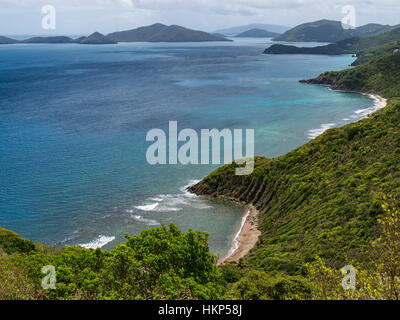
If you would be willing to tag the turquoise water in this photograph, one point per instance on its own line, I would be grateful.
(73, 122)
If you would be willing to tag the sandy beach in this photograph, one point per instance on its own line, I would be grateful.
(246, 238)
(380, 102)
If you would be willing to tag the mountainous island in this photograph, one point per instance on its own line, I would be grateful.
(56, 39)
(162, 33)
(330, 31)
(233, 31)
(5, 40)
(257, 33)
(154, 33)
(97, 38)
(364, 48)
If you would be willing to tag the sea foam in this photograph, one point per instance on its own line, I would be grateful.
(99, 242)
(312, 134)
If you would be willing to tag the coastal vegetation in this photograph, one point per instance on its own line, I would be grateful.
(325, 198)
(360, 46)
(160, 263)
(330, 203)
(330, 31)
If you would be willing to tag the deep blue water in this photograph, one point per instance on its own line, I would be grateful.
(73, 122)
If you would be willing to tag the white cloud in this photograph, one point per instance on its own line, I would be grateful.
(87, 15)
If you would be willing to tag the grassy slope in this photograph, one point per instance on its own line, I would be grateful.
(324, 197)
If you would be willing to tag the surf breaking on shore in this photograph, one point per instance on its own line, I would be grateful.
(379, 103)
(248, 233)
(246, 237)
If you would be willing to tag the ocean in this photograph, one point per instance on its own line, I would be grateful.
(74, 118)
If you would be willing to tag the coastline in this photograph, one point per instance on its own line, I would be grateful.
(380, 102)
(246, 237)
(248, 233)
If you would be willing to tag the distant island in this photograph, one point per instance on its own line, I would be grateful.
(365, 48)
(162, 33)
(233, 31)
(97, 38)
(5, 40)
(330, 31)
(257, 33)
(154, 33)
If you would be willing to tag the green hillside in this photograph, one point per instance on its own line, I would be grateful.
(330, 31)
(354, 45)
(377, 52)
(380, 76)
(325, 197)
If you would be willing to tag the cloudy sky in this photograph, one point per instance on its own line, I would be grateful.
(86, 16)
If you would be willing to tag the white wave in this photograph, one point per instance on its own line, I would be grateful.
(186, 192)
(173, 202)
(312, 134)
(69, 238)
(148, 207)
(235, 242)
(156, 199)
(378, 104)
(100, 242)
(149, 222)
(361, 111)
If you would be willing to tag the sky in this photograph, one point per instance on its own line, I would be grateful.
(80, 17)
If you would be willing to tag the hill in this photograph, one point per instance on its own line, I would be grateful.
(331, 49)
(56, 39)
(377, 52)
(380, 76)
(96, 38)
(6, 40)
(325, 197)
(329, 31)
(239, 29)
(11, 243)
(355, 45)
(257, 33)
(162, 33)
